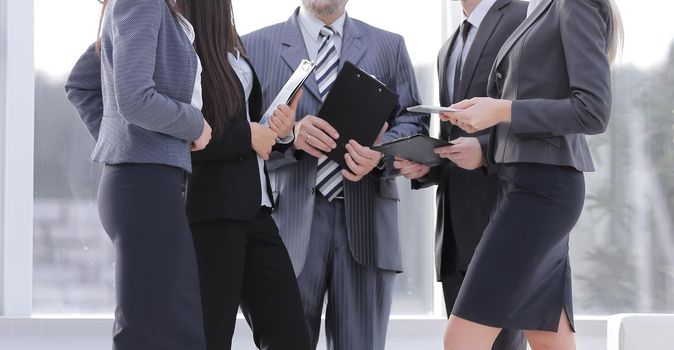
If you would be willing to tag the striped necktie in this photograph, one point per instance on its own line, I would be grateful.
(329, 180)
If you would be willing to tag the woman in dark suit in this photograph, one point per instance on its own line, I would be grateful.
(550, 86)
(241, 258)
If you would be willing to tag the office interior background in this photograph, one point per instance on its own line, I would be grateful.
(56, 263)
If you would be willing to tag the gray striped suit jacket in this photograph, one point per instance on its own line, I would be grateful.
(371, 204)
(135, 99)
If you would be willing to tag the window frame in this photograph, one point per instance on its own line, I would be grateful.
(17, 110)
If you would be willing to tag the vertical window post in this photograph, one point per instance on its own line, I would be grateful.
(17, 87)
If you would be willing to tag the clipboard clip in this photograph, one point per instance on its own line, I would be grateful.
(373, 77)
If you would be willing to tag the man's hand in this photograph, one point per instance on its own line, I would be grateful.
(361, 160)
(411, 170)
(315, 136)
(465, 152)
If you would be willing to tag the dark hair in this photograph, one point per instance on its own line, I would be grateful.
(216, 36)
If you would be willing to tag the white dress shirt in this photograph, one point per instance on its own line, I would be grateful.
(311, 31)
(475, 19)
(197, 96)
(532, 6)
(246, 76)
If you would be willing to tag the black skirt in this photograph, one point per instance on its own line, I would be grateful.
(520, 277)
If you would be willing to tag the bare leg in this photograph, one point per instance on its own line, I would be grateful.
(563, 339)
(466, 335)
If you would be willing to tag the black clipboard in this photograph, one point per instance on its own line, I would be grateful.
(357, 106)
(417, 148)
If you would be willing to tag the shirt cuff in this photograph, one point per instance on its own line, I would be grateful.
(286, 140)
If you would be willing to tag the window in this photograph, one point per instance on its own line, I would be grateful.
(73, 258)
(622, 250)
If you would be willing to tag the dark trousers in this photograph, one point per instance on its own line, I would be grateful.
(158, 306)
(245, 263)
(358, 297)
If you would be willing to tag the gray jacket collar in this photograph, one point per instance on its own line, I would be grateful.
(528, 22)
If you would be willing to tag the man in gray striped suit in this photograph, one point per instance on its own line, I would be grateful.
(339, 225)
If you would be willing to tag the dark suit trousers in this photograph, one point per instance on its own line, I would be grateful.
(244, 263)
(359, 296)
(158, 307)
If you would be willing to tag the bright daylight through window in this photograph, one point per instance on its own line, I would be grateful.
(622, 250)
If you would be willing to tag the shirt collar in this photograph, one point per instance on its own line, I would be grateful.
(479, 13)
(313, 24)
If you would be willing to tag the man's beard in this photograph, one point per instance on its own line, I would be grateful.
(324, 7)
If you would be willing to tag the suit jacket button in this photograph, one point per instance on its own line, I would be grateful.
(499, 75)
(241, 158)
(313, 191)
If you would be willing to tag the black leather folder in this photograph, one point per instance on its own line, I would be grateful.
(417, 148)
(357, 106)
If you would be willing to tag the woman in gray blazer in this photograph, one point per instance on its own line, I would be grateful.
(549, 87)
(138, 91)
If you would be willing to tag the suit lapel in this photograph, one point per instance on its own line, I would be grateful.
(295, 50)
(485, 31)
(528, 22)
(443, 61)
(255, 100)
(353, 48)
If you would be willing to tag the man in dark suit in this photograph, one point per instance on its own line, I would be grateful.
(465, 198)
(340, 225)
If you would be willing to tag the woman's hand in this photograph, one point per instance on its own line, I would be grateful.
(479, 113)
(282, 120)
(204, 139)
(465, 152)
(263, 139)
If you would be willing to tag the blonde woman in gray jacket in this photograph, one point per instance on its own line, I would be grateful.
(138, 92)
(549, 87)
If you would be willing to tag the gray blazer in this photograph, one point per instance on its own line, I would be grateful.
(371, 204)
(555, 68)
(135, 99)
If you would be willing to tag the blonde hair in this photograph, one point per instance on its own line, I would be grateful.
(617, 32)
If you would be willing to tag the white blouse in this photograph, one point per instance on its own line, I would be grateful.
(197, 96)
(246, 76)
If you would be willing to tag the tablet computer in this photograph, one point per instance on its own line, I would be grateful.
(417, 148)
(431, 109)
